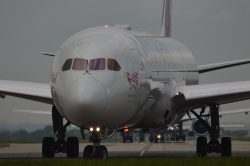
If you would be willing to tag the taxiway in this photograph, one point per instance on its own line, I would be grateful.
(169, 149)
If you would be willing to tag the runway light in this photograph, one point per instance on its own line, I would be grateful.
(91, 129)
(98, 129)
(159, 136)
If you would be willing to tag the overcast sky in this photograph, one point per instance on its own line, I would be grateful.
(214, 30)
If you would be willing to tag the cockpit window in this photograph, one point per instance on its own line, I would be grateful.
(79, 64)
(97, 64)
(67, 65)
(113, 65)
(94, 64)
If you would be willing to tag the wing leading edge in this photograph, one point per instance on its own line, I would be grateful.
(223, 65)
(203, 95)
(33, 91)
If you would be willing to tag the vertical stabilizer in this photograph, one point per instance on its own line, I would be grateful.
(166, 18)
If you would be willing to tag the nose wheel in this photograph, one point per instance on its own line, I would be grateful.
(99, 152)
(96, 150)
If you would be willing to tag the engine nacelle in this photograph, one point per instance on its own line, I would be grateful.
(199, 128)
(108, 133)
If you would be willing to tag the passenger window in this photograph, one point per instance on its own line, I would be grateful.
(79, 64)
(113, 65)
(67, 65)
(97, 64)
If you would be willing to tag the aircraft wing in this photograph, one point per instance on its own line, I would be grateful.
(36, 112)
(217, 66)
(196, 96)
(232, 125)
(230, 112)
(27, 90)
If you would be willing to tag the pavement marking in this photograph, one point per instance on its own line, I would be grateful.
(146, 148)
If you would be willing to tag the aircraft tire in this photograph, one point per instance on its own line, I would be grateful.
(151, 138)
(131, 139)
(177, 138)
(101, 152)
(184, 138)
(48, 147)
(201, 146)
(88, 151)
(226, 147)
(72, 147)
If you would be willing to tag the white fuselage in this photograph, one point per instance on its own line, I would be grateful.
(116, 98)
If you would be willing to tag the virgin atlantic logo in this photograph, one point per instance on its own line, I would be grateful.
(133, 79)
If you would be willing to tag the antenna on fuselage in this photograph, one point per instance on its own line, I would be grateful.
(166, 18)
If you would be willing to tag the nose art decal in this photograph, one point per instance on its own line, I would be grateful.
(133, 79)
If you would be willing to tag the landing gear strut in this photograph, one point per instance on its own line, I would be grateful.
(96, 150)
(180, 134)
(141, 136)
(127, 137)
(50, 146)
(214, 145)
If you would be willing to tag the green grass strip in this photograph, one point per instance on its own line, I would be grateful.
(177, 161)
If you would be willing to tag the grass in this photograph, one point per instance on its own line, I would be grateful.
(177, 161)
(28, 141)
(241, 138)
(22, 141)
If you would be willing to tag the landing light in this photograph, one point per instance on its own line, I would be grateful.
(178, 93)
(98, 129)
(91, 129)
(158, 136)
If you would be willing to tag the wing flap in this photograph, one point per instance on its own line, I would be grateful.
(200, 95)
(27, 90)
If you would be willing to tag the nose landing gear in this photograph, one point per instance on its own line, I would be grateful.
(96, 150)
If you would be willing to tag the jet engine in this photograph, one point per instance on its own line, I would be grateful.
(199, 128)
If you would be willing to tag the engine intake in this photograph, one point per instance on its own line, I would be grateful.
(199, 128)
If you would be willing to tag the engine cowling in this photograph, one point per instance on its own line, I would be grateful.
(199, 128)
(108, 133)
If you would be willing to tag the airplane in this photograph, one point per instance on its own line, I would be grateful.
(112, 77)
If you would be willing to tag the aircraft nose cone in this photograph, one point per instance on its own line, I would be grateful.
(89, 94)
